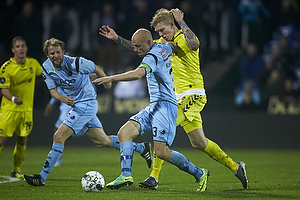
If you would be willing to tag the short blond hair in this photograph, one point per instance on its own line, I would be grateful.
(162, 15)
(53, 42)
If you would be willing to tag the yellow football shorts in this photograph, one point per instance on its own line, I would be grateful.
(189, 108)
(19, 122)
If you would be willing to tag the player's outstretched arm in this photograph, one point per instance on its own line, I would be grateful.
(127, 76)
(109, 33)
(189, 35)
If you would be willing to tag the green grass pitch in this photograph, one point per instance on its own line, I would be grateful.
(273, 174)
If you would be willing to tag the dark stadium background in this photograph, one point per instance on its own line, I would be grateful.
(223, 122)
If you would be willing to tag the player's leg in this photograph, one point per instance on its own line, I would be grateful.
(23, 129)
(8, 124)
(99, 137)
(199, 141)
(59, 138)
(179, 160)
(9, 120)
(163, 139)
(82, 113)
(19, 155)
(152, 181)
(2, 142)
(157, 165)
(192, 124)
(126, 134)
(143, 148)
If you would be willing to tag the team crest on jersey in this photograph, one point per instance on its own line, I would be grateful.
(2, 80)
(31, 70)
(1, 131)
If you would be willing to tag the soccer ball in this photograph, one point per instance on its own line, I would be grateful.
(92, 181)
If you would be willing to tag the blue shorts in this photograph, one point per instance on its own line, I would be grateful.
(64, 110)
(160, 119)
(83, 116)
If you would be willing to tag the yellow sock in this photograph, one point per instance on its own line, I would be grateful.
(157, 165)
(216, 153)
(19, 154)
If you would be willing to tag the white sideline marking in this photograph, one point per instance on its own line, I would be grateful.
(9, 179)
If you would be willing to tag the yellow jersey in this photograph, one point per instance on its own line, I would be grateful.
(20, 80)
(187, 76)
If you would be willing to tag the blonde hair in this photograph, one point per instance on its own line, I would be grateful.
(162, 15)
(53, 42)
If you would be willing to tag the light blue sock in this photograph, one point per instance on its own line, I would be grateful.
(53, 156)
(138, 147)
(184, 164)
(126, 150)
(114, 143)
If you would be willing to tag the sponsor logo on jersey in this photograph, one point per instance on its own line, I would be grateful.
(71, 81)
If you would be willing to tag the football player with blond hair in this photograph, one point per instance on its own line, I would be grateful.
(189, 88)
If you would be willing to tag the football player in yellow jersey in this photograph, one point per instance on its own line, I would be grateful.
(189, 88)
(17, 83)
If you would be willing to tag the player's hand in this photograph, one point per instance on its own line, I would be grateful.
(18, 101)
(69, 100)
(102, 80)
(107, 85)
(164, 40)
(178, 14)
(108, 32)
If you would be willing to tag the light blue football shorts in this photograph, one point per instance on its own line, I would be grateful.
(160, 119)
(83, 116)
(64, 110)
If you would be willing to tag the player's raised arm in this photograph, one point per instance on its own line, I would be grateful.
(189, 35)
(109, 33)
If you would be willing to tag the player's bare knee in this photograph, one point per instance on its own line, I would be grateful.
(58, 138)
(159, 155)
(123, 136)
(199, 146)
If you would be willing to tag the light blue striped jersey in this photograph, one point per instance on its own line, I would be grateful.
(159, 73)
(72, 77)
